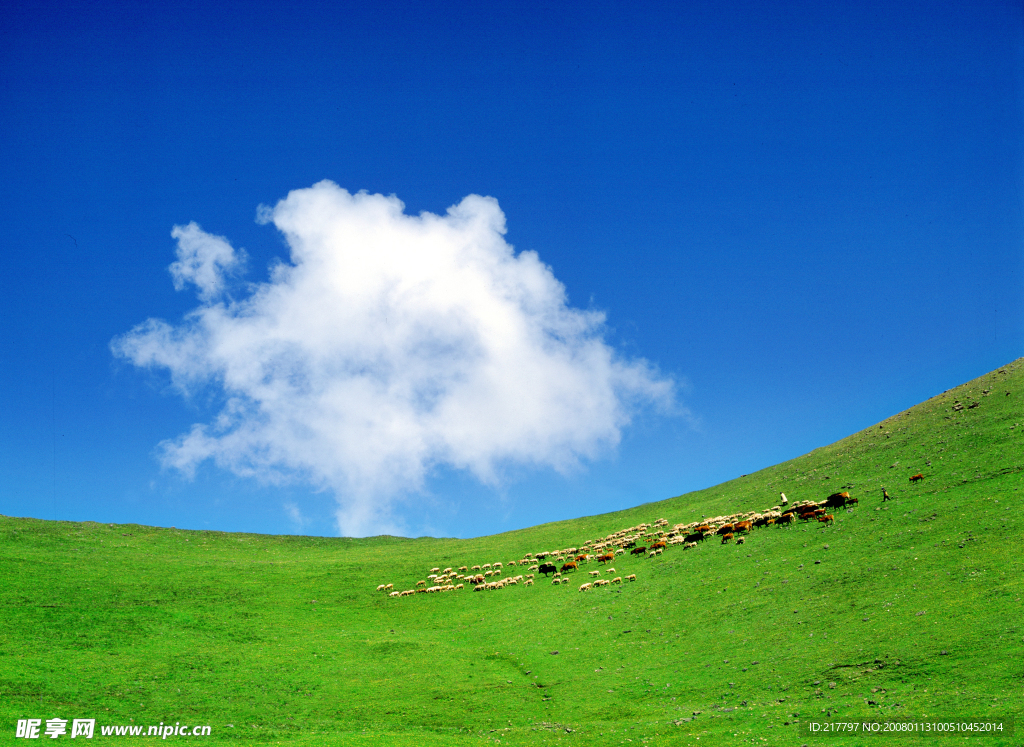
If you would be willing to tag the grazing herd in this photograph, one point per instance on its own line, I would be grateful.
(559, 563)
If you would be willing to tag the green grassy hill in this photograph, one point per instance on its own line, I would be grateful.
(910, 607)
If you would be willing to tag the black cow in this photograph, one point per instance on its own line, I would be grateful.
(547, 568)
(837, 500)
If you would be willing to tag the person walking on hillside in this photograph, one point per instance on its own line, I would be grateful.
(783, 502)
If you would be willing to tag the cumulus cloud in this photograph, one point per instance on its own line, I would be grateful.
(203, 260)
(388, 345)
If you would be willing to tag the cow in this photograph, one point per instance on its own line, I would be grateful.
(744, 526)
(695, 537)
(638, 551)
(724, 529)
(785, 519)
(606, 557)
(837, 500)
(726, 537)
(658, 545)
(827, 519)
(566, 567)
(547, 568)
(915, 478)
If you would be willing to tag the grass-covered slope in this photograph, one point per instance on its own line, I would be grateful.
(911, 607)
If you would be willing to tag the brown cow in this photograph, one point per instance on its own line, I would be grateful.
(638, 551)
(915, 478)
(570, 566)
(726, 537)
(605, 558)
(837, 500)
(744, 526)
(785, 519)
(658, 545)
(724, 529)
(827, 519)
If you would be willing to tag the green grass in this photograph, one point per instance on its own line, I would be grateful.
(133, 624)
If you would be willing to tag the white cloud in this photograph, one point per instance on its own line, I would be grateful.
(389, 344)
(295, 515)
(202, 260)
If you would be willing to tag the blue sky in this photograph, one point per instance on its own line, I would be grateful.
(803, 216)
